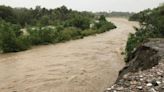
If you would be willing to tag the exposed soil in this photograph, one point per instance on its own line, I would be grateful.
(144, 72)
(86, 65)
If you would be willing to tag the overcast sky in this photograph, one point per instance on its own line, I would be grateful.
(89, 5)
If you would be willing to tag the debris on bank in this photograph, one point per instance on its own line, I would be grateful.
(151, 80)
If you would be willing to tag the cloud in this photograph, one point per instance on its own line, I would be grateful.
(89, 5)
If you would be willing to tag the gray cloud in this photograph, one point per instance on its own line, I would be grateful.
(89, 5)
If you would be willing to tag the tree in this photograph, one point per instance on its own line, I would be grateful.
(7, 14)
(102, 18)
(80, 22)
(11, 39)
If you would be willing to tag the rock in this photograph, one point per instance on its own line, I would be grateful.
(152, 90)
(141, 76)
(127, 84)
(161, 89)
(108, 89)
(149, 85)
(140, 87)
(141, 79)
(133, 82)
(159, 73)
(154, 82)
(163, 80)
(148, 81)
(125, 76)
(119, 88)
(158, 82)
(112, 86)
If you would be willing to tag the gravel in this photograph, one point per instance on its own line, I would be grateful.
(151, 80)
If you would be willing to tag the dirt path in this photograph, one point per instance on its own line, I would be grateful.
(86, 65)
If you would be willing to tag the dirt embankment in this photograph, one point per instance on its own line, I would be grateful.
(86, 65)
(144, 71)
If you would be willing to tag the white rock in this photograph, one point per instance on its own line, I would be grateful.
(149, 84)
(141, 79)
(158, 82)
(112, 86)
(125, 76)
(139, 87)
(141, 76)
(120, 88)
(108, 89)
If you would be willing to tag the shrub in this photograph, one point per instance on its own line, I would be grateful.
(88, 32)
(79, 22)
(69, 33)
(42, 35)
(102, 18)
(11, 38)
(106, 27)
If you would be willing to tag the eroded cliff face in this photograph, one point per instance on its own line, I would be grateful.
(144, 71)
(145, 57)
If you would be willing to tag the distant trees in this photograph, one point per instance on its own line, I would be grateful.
(115, 14)
(43, 16)
(7, 14)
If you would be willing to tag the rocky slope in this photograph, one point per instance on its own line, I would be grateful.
(144, 71)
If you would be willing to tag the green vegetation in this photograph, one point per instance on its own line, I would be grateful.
(152, 25)
(70, 33)
(21, 28)
(41, 35)
(11, 39)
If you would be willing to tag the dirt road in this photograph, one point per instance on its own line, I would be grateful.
(86, 65)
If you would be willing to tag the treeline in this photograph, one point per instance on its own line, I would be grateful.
(20, 28)
(115, 14)
(152, 26)
(40, 16)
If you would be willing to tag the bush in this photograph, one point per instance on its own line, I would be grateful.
(88, 32)
(42, 35)
(69, 34)
(103, 25)
(11, 38)
(23, 43)
(106, 27)
(79, 22)
(102, 18)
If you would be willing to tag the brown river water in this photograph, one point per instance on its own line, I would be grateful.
(85, 65)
